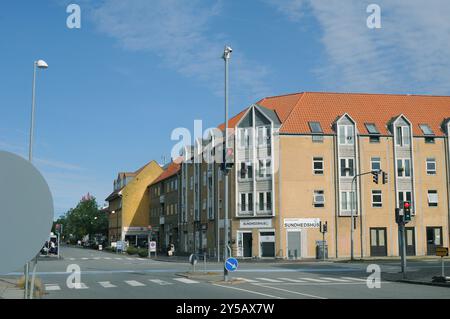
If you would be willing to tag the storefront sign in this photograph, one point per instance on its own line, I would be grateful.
(135, 229)
(256, 223)
(301, 223)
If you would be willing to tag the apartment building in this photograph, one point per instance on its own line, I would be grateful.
(128, 205)
(164, 201)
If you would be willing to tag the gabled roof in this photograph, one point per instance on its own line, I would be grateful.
(296, 110)
(172, 169)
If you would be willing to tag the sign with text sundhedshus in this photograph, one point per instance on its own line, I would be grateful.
(26, 212)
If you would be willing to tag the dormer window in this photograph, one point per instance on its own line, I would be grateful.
(373, 132)
(346, 135)
(428, 132)
(317, 131)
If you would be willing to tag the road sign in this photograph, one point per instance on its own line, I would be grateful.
(231, 264)
(119, 245)
(153, 246)
(193, 259)
(441, 251)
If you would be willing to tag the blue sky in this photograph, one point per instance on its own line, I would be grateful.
(117, 87)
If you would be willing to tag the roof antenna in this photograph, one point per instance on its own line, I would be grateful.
(163, 158)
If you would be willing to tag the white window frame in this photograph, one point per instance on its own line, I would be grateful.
(265, 130)
(347, 159)
(372, 161)
(247, 165)
(267, 169)
(378, 193)
(318, 193)
(318, 159)
(405, 197)
(403, 137)
(244, 138)
(433, 198)
(431, 171)
(347, 128)
(266, 196)
(348, 207)
(247, 196)
(403, 161)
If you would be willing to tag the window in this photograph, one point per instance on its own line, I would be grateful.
(346, 135)
(374, 139)
(372, 128)
(316, 130)
(264, 169)
(403, 167)
(319, 198)
(377, 200)
(375, 164)
(432, 198)
(347, 167)
(315, 127)
(426, 130)
(263, 135)
(403, 137)
(246, 171)
(244, 137)
(265, 201)
(348, 201)
(318, 165)
(431, 166)
(246, 202)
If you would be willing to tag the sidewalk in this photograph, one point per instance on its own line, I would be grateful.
(9, 289)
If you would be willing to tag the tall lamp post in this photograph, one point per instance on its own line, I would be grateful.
(39, 64)
(226, 57)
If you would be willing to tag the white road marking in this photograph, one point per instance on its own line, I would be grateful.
(246, 279)
(52, 287)
(107, 258)
(334, 279)
(71, 258)
(97, 258)
(250, 291)
(140, 259)
(134, 283)
(117, 258)
(268, 279)
(85, 258)
(292, 280)
(352, 278)
(106, 284)
(313, 279)
(289, 291)
(186, 280)
(80, 286)
(160, 282)
(128, 258)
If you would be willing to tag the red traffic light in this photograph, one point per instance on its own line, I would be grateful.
(406, 205)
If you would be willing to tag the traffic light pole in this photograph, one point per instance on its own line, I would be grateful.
(401, 227)
(226, 57)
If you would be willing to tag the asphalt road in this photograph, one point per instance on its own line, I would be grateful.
(107, 276)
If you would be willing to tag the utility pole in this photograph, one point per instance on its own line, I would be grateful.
(226, 57)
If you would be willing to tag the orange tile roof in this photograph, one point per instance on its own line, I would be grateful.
(170, 171)
(296, 110)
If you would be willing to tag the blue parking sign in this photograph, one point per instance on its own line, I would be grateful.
(231, 264)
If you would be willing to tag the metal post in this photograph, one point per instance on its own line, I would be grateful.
(26, 272)
(403, 248)
(323, 245)
(226, 57)
(148, 245)
(443, 270)
(204, 261)
(352, 257)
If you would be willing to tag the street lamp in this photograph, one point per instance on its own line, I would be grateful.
(39, 64)
(226, 57)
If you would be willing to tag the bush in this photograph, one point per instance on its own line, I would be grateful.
(142, 252)
(132, 250)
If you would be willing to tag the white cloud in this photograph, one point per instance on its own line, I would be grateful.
(407, 55)
(178, 33)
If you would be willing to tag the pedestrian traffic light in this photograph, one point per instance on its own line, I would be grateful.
(384, 176)
(407, 210)
(325, 227)
(375, 176)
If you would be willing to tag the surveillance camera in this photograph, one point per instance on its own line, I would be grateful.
(229, 49)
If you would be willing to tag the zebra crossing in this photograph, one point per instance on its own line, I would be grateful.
(181, 280)
(128, 283)
(303, 280)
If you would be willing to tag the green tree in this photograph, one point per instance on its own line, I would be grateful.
(84, 219)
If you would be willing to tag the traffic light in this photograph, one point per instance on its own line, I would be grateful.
(228, 160)
(375, 176)
(384, 177)
(407, 210)
(325, 227)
